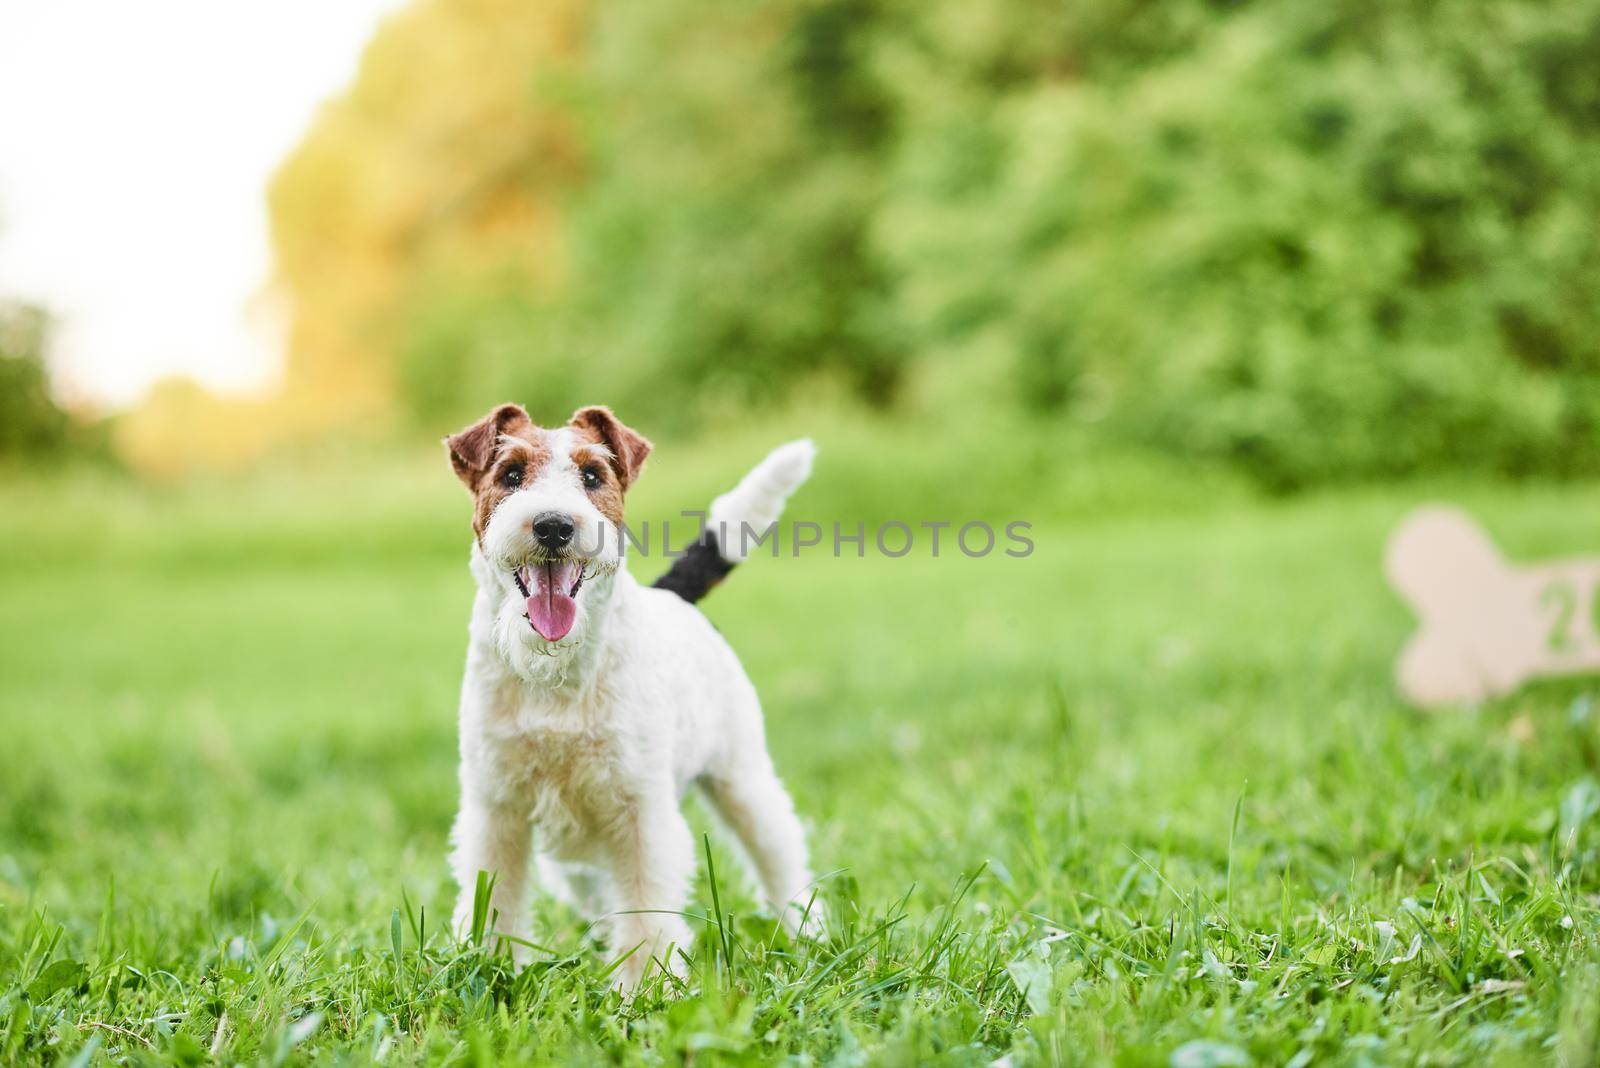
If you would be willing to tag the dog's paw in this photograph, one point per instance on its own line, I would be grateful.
(650, 950)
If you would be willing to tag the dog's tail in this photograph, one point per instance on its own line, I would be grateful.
(740, 520)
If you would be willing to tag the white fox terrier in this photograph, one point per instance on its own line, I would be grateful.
(591, 703)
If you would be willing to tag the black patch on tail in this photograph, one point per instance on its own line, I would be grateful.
(693, 574)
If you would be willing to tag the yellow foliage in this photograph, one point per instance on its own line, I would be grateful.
(444, 153)
(180, 429)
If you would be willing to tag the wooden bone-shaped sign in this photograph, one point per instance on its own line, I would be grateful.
(1486, 625)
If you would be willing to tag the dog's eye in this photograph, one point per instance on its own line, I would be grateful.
(591, 477)
(512, 476)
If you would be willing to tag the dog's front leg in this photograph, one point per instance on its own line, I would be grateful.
(652, 858)
(493, 838)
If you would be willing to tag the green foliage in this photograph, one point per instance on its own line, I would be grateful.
(1319, 242)
(1180, 821)
(717, 252)
(1323, 242)
(32, 424)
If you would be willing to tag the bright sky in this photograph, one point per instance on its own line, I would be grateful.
(136, 140)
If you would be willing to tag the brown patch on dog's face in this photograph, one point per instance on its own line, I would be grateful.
(472, 449)
(598, 475)
(516, 464)
(628, 447)
(609, 469)
(496, 456)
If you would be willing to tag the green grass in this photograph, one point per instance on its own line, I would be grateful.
(1145, 797)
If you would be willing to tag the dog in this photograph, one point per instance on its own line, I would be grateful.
(591, 704)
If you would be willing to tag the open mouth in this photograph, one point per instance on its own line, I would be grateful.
(551, 588)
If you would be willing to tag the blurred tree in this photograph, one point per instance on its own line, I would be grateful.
(32, 424)
(1355, 239)
(181, 428)
(1335, 241)
(439, 162)
(721, 249)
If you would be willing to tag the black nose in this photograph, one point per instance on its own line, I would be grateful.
(552, 530)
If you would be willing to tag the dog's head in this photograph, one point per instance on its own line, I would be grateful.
(548, 514)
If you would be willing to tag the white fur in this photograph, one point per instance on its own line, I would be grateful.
(582, 750)
(745, 512)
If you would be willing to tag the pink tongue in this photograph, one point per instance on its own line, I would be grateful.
(551, 608)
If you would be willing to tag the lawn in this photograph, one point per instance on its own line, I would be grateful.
(1144, 797)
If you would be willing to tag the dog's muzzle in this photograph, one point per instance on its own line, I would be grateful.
(551, 589)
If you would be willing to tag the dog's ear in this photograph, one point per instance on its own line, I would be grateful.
(628, 448)
(472, 450)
